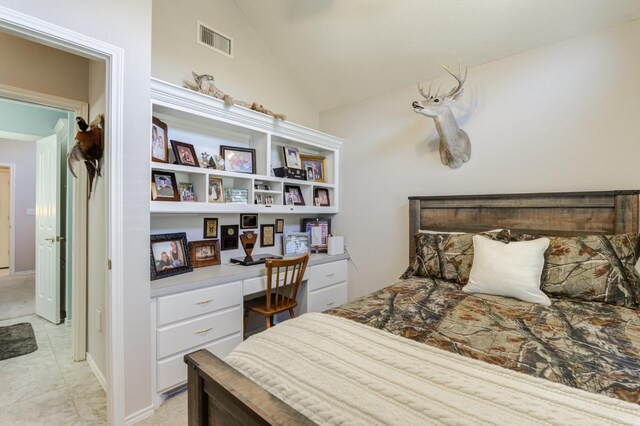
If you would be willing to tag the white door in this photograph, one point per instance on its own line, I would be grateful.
(47, 226)
(5, 220)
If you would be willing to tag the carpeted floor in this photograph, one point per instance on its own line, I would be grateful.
(18, 296)
(172, 413)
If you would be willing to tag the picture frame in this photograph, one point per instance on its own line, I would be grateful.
(310, 174)
(159, 141)
(296, 194)
(318, 164)
(204, 253)
(185, 154)
(169, 255)
(187, 194)
(238, 160)
(267, 235)
(164, 186)
(288, 199)
(229, 237)
(319, 230)
(215, 190)
(210, 227)
(295, 243)
(248, 221)
(322, 195)
(291, 157)
(279, 226)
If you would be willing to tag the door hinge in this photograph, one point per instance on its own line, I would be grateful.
(109, 264)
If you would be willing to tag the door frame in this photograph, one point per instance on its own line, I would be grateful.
(44, 32)
(12, 214)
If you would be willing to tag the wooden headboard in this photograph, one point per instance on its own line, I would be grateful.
(562, 213)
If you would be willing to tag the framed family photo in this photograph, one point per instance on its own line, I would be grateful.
(321, 195)
(316, 165)
(185, 154)
(291, 157)
(239, 160)
(186, 192)
(216, 190)
(204, 253)
(164, 186)
(210, 227)
(295, 195)
(159, 141)
(169, 255)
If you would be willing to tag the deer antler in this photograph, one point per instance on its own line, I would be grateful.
(459, 78)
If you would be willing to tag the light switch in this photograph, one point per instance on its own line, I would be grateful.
(31, 212)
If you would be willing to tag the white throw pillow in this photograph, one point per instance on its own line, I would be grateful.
(511, 270)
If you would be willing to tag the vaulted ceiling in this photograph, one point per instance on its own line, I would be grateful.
(342, 51)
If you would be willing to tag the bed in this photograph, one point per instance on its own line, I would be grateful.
(440, 355)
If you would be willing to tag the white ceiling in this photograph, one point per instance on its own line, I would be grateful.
(342, 51)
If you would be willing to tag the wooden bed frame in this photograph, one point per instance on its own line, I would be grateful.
(220, 395)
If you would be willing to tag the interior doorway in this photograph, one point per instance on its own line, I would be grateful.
(5, 219)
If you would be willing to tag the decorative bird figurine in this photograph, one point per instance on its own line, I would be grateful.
(88, 147)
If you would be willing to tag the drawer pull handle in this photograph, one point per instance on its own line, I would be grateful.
(204, 302)
(330, 303)
(330, 275)
(204, 331)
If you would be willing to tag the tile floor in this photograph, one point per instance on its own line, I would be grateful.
(46, 387)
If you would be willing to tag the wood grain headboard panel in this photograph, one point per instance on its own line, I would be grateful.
(562, 213)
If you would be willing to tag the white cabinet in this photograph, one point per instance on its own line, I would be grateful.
(327, 286)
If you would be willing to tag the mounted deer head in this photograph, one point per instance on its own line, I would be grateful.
(455, 147)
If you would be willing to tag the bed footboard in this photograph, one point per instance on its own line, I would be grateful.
(220, 395)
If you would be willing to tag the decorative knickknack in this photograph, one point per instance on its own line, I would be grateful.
(89, 148)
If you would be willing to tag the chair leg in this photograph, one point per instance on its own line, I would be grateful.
(267, 321)
(245, 324)
(293, 315)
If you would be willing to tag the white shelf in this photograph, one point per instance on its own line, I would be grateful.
(177, 207)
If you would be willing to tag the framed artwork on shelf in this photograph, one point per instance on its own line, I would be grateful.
(267, 235)
(169, 255)
(204, 253)
(164, 186)
(229, 237)
(279, 226)
(295, 243)
(317, 164)
(210, 227)
(216, 190)
(322, 196)
(239, 160)
(319, 230)
(296, 194)
(159, 141)
(185, 154)
(186, 192)
(248, 221)
(291, 157)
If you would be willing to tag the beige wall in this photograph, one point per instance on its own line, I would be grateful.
(253, 74)
(33, 66)
(559, 118)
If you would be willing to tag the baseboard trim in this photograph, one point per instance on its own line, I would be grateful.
(97, 372)
(25, 272)
(140, 415)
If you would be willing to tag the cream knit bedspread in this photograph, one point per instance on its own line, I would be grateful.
(336, 371)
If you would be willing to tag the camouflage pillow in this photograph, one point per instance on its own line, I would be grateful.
(596, 268)
(447, 256)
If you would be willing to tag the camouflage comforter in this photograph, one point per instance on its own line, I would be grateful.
(587, 345)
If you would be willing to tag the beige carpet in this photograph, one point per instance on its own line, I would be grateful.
(18, 296)
(172, 413)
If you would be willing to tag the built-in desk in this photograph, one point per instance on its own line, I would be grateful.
(204, 309)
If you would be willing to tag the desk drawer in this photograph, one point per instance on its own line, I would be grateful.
(327, 298)
(198, 302)
(199, 331)
(173, 371)
(325, 275)
(257, 285)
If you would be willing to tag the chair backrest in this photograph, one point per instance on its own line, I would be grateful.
(287, 274)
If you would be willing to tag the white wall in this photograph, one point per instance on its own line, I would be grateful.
(560, 118)
(23, 155)
(253, 75)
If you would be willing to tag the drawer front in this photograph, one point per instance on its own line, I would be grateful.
(172, 371)
(198, 302)
(197, 332)
(325, 275)
(327, 298)
(256, 285)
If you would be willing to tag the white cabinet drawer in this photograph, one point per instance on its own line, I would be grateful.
(189, 334)
(256, 285)
(173, 371)
(327, 274)
(327, 298)
(198, 302)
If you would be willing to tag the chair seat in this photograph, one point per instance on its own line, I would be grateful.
(259, 305)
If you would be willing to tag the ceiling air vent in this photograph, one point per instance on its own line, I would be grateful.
(214, 39)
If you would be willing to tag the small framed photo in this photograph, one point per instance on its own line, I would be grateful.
(248, 221)
(267, 235)
(164, 186)
(309, 170)
(288, 199)
(296, 194)
(169, 255)
(186, 192)
(322, 196)
(229, 237)
(295, 243)
(317, 164)
(210, 227)
(216, 190)
(291, 157)
(159, 141)
(239, 160)
(318, 230)
(258, 199)
(279, 226)
(204, 253)
(185, 154)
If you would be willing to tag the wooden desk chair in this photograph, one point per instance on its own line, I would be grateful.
(288, 275)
